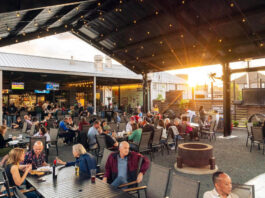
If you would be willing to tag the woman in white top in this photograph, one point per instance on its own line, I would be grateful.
(43, 132)
(161, 125)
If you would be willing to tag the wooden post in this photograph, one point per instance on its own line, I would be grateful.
(1, 97)
(145, 93)
(226, 99)
(95, 95)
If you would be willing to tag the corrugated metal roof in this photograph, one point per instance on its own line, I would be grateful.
(47, 64)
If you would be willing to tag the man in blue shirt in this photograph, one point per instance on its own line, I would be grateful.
(92, 132)
(65, 132)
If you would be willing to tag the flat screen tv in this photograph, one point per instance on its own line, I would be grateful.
(17, 85)
(52, 86)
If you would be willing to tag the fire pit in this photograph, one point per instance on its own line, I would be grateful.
(195, 155)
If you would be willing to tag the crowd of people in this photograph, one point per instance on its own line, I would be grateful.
(121, 166)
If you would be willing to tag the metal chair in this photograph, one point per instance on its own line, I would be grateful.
(170, 139)
(24, 128)
(85, 129)
(244, 190)
(54, 138)
(209, 133)
(32, 130)
(106, 154)
(249, 133)
(157, 182)
(122, 126)
(144, 145)
(156, 140)
(257, 137)
(183, 187)
(101, 141)
(113, 126)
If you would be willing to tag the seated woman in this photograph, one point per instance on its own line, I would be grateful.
(86, 160)
(18, 124)
(186, 128)
(43, 132)
(135, 137)
(13, 168)
(4, 150)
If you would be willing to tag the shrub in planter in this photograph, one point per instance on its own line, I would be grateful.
(235, 123)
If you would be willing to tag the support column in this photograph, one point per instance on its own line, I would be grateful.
(1, 97)
(119, 104)
(149, 96)
(212, 92)
(145, 93)
(226, 99)
(95, 95)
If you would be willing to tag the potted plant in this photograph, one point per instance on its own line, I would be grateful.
(235, 123)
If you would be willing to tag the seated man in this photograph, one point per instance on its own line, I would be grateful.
(29, 123)
(121, 167)
(18, 124)
(222, 187)
(92, 132)
(111, 142)
(36, 157)
(65, 132)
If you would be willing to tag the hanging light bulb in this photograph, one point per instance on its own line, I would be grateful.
(17, 14)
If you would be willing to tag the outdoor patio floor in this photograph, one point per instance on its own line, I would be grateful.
(232, 156)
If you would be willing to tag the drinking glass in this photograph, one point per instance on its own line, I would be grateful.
(93, 173)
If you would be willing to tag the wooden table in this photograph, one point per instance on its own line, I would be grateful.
(68, 185)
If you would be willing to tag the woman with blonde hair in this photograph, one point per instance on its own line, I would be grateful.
(85, 160)
(13, 168)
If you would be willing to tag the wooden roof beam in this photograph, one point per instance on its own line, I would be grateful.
(18, 5)
(26, 19)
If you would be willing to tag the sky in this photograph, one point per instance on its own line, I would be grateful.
(66, 45)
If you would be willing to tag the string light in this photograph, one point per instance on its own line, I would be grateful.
(163, 62)
(49, 10)
(153, 55)
(77, 8)
(181, 36)
(183, 2)
(134, 21)
(161, 42)
(16, 41)
(170, 25)
(0, 38)
(231, 5)
(116, 10)
(243, 20)
(99, 4)
(101, 35)
(8, 28)
(130, 39)
(66, 26)
(114, 43)
(142, 47)
(18, 15)
(137, 58)
(120, 1)
(47, 29)
(148, 33)
(126, 51)
(156, 12)
(24, 34)
(194, 46)
(229, 50)
(261, 44)
(120, 10)
(220, 40)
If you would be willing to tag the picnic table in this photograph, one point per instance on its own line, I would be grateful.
(69, 185)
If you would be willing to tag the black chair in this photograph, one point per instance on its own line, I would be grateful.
(156, 142)
(157, 182)
(24, 128)
(101, 167)
(144, 146)
(244, 190)
(85, 129)
(113, 126)
(183, 187)
(54, 138)
(257, 138)
(122, 127)
(101, 141)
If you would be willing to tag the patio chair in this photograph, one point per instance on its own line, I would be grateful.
(144, 145)
(50, 124)
(16, 192)
(210, 133)
(170, 140)
(32, 130)
(85, 129)
(113, 126)
(54, 138)
(183, 187)
(244, 190)
(156, 141)
(122, 127)
(101, 166)
(24, 128)
(257, 137)
(101, 141)
(157, 182)
(249, 133)
(60, 117)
